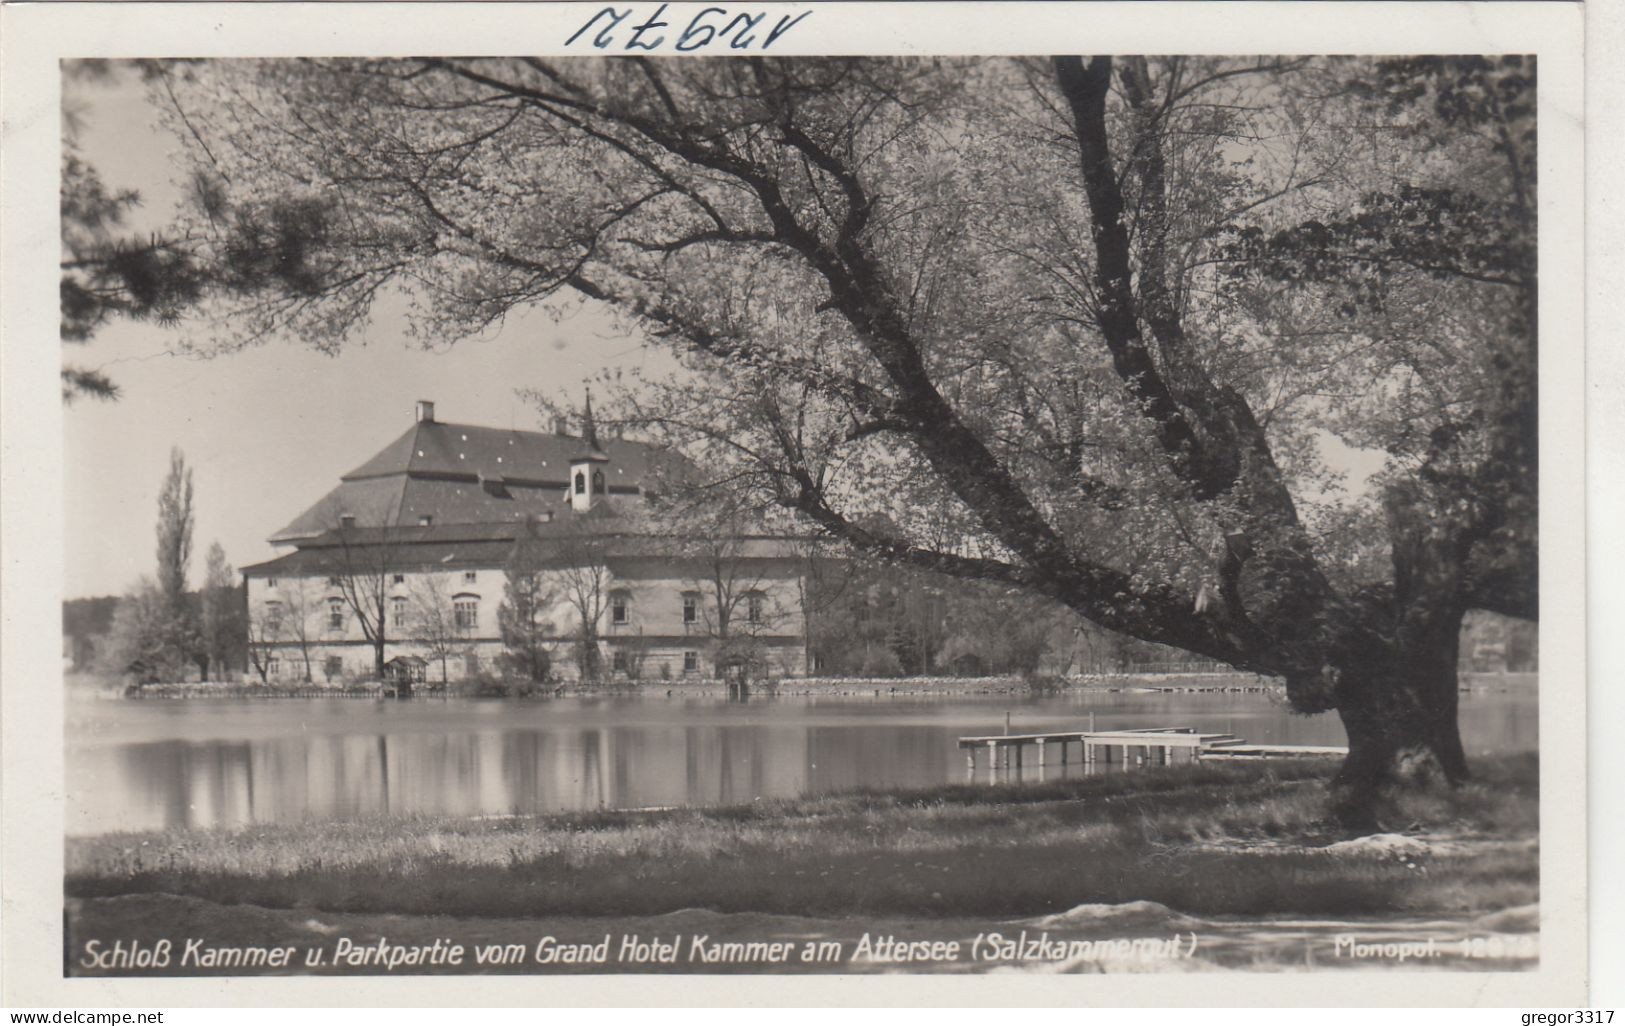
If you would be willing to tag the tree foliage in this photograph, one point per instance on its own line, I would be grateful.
(1082, 326)
(147, 641)
(175, 531)
(111, 271)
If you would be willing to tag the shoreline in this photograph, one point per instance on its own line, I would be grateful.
(1009, 848)
(1168, 682)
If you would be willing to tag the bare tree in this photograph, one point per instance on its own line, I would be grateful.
(296, 610)
(739, 599)
(266, 627)
(579, 562)
(434, 622)
(363, 562)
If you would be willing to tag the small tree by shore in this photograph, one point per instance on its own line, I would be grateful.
(527, 654)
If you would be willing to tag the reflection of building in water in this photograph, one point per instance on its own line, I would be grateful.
(296, 778)
(418, 544)
(150, 765)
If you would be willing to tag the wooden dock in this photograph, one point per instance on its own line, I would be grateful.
(1138, 746)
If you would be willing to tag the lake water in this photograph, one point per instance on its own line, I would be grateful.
(139, 765)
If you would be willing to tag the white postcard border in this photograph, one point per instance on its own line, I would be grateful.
(31, 453)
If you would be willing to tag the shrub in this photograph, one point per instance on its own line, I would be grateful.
(881, 662)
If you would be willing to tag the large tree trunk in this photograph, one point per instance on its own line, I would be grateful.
(1397, 690)
(1402, 729)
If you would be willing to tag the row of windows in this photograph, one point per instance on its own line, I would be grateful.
(620, 608)
(469, 577)
(465, 611)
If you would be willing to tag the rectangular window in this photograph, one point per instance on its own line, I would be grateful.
(397, 612)
(467, 613)
(470, 576)
(753, 608)
(691, 662)
(617, 609)
(270, 582)
(691, 608)
(273, 617)
(334, 582)
(273, 666)
(335, 616)
(333, 667)
(397, 579)
(617, 662)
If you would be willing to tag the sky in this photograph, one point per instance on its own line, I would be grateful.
(268, 430)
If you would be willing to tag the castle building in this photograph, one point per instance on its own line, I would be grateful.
(460, 551)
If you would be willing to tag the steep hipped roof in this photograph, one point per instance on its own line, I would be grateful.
(463, 473)
(431, 447)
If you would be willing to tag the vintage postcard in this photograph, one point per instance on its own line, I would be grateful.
(1042, 503)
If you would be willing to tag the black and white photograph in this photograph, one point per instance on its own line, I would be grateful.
(689, 504)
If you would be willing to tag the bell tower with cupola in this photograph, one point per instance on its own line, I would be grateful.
(588, 484)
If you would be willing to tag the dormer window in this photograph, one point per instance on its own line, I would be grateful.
(425, 520)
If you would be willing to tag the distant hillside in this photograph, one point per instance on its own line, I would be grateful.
(1491, 643)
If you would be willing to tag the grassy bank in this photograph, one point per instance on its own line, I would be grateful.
(1204, 839)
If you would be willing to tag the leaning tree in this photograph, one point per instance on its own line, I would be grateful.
(1090, 327)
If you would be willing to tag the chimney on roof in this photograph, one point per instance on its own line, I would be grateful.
(425, 411)
(347, 521)
(561, 426)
